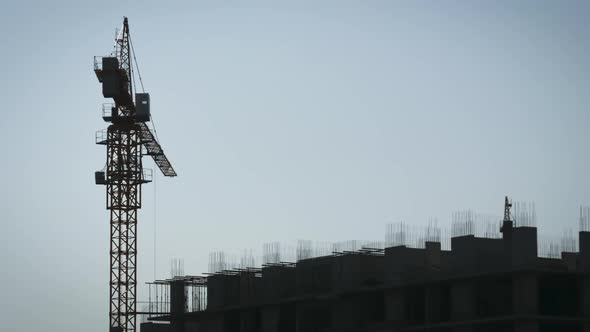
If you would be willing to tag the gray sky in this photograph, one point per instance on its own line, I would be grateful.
(284, 121)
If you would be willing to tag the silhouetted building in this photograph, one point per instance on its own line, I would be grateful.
(481, 284)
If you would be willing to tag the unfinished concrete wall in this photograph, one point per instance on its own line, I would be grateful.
(250, 320)
(154, 327)
(250, 288)
(471, 254)
(177, 297)
(525, 293)
(494, 295)
(460, 309)
(415, 302)
(462, 295)
(355, 311)
(433, 255)
(584, 266)
(314, 275)
(527, 325)
(403, 264)
(191, 326)
(395, 306)
(353, 271)
(231, 321)
(287, 317)
(524, 247)
(464, 255)
(222, 290)
(479, 280)
(437, 297)
(585, 300)
(270, 318)
(313, 316)
(177, 305)
(213, 323)
(570, 261)
(584, 257)
(278, 282)
(346, 313)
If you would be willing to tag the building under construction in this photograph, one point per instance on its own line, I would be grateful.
(478, 284)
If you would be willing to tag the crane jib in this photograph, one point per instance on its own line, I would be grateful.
(154, 149)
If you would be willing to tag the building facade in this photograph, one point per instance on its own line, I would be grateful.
(481, 284)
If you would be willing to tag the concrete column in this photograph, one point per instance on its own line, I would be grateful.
(270, 319)
(346, 313)
(213, 324)
(433, 254)
(153, 327)
(177, 297)
(313, 316)
(462, 300)
(432, 304)
(524, 247)
(584, 266)
(395, 306)
(570, 259)
(177, 305)
(584, 241)
(462, 303)
(191, 326)
(248, 321)
(525, 290)
(585, 300)
(463, 329)
(304, 317)
(529, 325)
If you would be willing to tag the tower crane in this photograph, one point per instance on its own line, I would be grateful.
(128, 138)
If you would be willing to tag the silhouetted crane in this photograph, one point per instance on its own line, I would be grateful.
(127, 139)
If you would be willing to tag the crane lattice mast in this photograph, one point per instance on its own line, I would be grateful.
(127, 139)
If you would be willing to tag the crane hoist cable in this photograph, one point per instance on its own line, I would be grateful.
(141, 82)
(136, 65)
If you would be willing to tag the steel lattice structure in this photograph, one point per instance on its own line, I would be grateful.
(126, 139)
(123, 200)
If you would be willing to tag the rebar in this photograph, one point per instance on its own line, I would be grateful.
(584, 219)
(525, 214)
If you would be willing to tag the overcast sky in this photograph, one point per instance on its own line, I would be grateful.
(321, 120)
